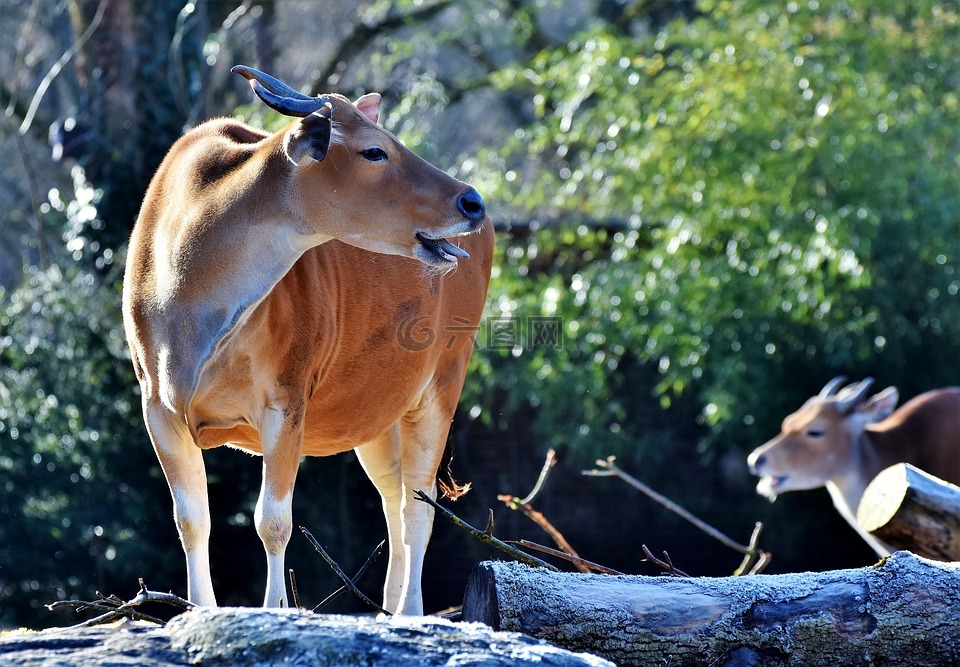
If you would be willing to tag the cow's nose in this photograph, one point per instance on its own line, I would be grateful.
(470, 203)
(756, 462)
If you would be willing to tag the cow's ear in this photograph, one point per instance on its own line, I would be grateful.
(369, 106)
(880, 406)
(310, 138)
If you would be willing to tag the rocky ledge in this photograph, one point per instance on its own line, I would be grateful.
(254, 637)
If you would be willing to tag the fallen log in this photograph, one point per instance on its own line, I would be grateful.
(910, 509)
(903, 611)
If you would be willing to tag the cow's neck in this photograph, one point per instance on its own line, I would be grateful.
(847, 489)
(227, 278)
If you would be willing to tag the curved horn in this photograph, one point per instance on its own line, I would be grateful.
(832, 387)
(851, 396)
(279, 96)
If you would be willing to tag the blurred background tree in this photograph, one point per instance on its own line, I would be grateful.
(725, 204)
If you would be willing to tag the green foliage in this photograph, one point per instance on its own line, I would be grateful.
(784, 188)
(75, 479)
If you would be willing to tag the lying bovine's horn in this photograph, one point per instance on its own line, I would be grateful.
(851, 396)
(833, 386)
(279, 96)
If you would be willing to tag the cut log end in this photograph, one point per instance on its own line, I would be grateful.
(910, 509)
(882, 498)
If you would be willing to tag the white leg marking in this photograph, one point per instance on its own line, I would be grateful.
(274, 515)
(182, 463)
(381, 461)
(423, 444)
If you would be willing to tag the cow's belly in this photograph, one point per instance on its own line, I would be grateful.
(337, 418)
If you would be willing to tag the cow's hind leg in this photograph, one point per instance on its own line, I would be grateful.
(182, 463)
(399, 463)
(423, 433)
(380, 459)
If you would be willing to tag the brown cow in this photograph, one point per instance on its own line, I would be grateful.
(251, 325)
(841, 440)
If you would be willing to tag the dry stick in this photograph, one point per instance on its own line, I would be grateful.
(548, 463)
(523, 506)
(582, 564)
(293, 589)
(363, 569)
(116, 609)
(549, 528)
(340, 573)
(611, 470)
(755, 561)
(666, 565)
(485, 535)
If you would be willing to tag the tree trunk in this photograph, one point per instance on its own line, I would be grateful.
(904, 610)
(910, 509)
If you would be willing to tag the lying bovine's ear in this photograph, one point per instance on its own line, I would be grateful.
(369, 106)
(310, 139)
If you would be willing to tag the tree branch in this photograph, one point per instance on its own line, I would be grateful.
(340, 573)
(364, 33)
(59, 65)
(610, 469)
(484, 535)
(581, 563)
(116, 608)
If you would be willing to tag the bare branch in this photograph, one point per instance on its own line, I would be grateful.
(115, 608)
(59, 65)
(523, 506)
(364, 33)
(340, 573)
(483, 536)
(363, 569)
(666, 565)
(610, 469)
(582, 564)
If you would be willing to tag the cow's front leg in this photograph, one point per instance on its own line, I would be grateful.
(282, 442)
(182, 463)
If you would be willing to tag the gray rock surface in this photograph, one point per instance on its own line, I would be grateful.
(252, 637)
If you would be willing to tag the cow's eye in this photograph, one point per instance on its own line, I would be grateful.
(375, 154)
(814, 433)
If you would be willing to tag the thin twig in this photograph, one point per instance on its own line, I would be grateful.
(293, 589)
(115, 608)
(755, 561)
(538, 518)
(523, 506)
(363, 569)
(610, 469)
(483, 535)
(548, 463)
(666, 565)
(582, 564)
(450, 613)
(340, 573)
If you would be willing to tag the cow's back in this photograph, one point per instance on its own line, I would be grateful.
(924, 432)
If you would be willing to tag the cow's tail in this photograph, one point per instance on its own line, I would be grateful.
(449, 486)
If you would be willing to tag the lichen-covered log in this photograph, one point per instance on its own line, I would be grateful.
(903, 611)
(261, 638)
(910, 509)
